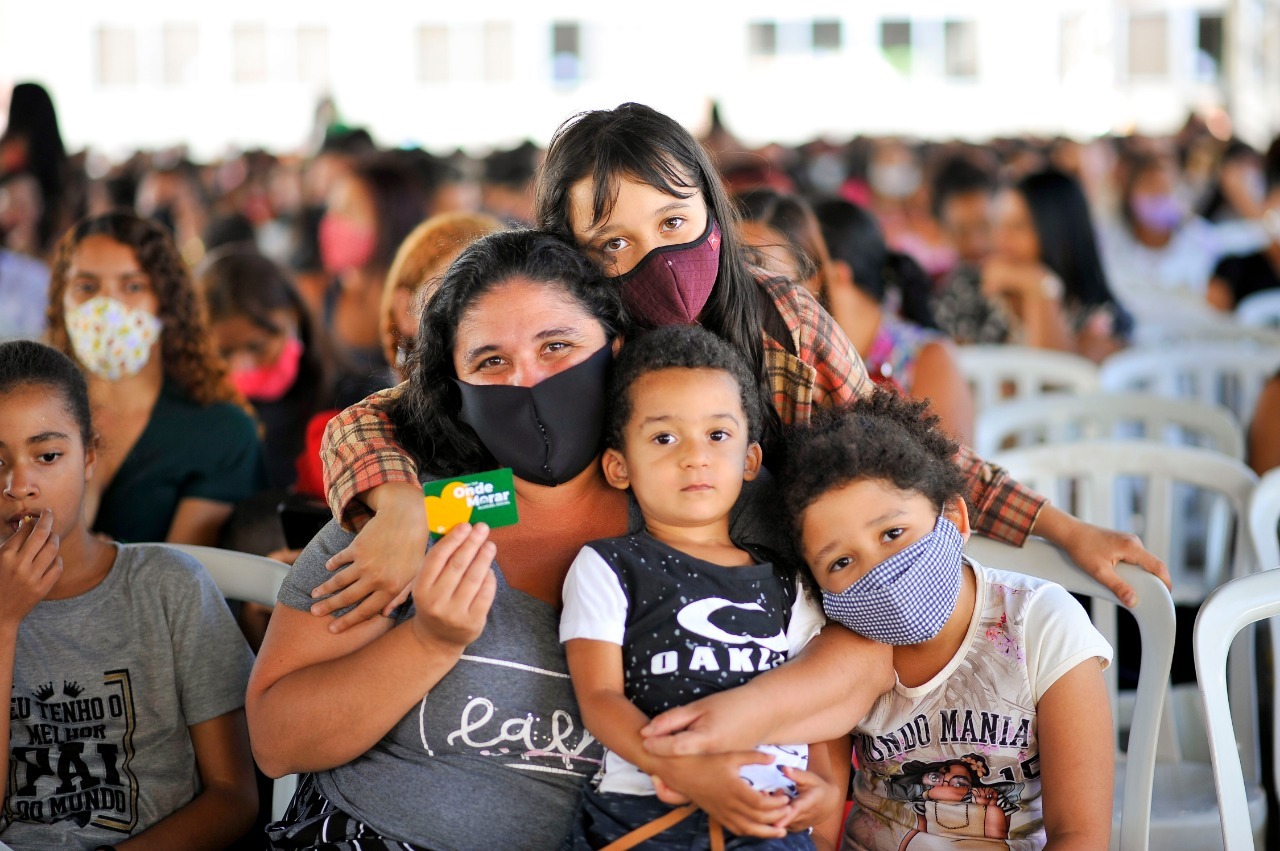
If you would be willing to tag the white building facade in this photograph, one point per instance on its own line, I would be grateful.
(138, 73)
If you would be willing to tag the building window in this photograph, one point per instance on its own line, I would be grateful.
(895, 43)
(117, 57)
(1209, 42)
(249, 53)
(762, 38)
(313, 55)
(960, 54)
(1149, 45)
(181, 42)
(566, 52)
(826, 36)
(499, 51)
(433, 54)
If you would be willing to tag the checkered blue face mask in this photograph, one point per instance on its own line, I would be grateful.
(908, 597)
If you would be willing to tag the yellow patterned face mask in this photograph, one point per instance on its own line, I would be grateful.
(111, 339)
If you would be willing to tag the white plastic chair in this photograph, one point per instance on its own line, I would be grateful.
(1135, 772)
(1106, 416)
(1084, 478)
(1260, 310)
(1219, 373)
(1264, 528)
(1015, 372)
(1228, 610)
(1264, 519)
(251, 579)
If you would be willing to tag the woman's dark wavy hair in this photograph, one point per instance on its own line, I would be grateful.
(425, 411)
(186, 345)
(638, 142)
(399, 200)
(1060, 214)
(886, 437)
(676, 347)
(854, 238)
(26, 363)
(791, 216)
(238, 280)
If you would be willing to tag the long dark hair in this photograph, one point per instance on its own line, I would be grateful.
(237, 280)
(854, 238)
(637, 141)
(1064, 228)
(399, 200)
(33, 119)
(425, 411)
(791, 216)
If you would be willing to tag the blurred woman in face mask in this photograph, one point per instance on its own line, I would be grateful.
(1241, 275)
(279, 357)
(422, 260)
(1158, 255)
(371, 209)
(122, 305)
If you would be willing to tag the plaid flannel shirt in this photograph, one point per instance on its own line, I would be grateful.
(360, 451)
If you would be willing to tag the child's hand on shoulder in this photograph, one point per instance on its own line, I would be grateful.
(29, 568)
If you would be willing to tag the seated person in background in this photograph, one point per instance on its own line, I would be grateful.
(879, 297)
(876, 503)
(1237, 277)
(420, 261)
(1044, 280)
(1158, 255)
(126, 670)
(280, 358)
(179, 447)
(681, 432)
(900, 347)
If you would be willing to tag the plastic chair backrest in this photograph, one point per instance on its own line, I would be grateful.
(1024, 371)
(1085, 478)
(1264, 519)
(1219, 373)
(252, 579)
(1260, 310)
(1228, 610)
(1107, 416)
(1155, 617)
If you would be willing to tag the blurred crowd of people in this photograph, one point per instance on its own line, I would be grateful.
(286, 286)
(215, 316)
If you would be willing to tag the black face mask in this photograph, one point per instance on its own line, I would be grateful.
(547, 433)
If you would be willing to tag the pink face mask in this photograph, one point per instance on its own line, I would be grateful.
(1161, 213)
(344, 244)
(670, 285)
(270, 382)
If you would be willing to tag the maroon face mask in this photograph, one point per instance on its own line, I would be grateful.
(671, 285)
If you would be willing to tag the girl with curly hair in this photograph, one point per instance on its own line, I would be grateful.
(178, 446)
(998, 727)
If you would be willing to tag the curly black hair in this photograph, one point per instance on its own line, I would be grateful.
(677, 347)
(885, 436)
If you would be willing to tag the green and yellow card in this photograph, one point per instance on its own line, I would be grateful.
(475, 498)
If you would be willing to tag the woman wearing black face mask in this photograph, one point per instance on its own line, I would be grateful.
(469, 681)
(637, 193)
